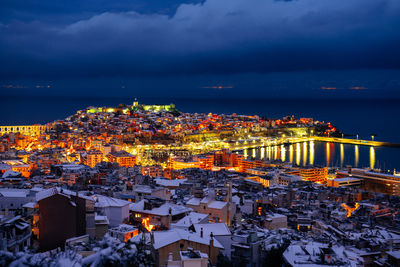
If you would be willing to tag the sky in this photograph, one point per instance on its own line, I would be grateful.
(191, 48)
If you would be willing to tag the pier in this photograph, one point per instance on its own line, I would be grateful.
(268, 141)
(354, 141)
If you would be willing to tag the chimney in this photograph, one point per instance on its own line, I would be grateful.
(201, 232)
(229, 184)
(169, 216)
(151, 238)
(211, 246)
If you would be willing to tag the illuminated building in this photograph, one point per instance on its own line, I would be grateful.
(205, 162)
(31, 130)
(180, 163)
(156, 212)
(156, 108)
(124, 159)
(350, 210)
(346, 181)
(124, 232)
(219, 207)
(18, 166)
(264, 180)
(152, 171)
(93, 157)
(140, 192)
(312, 174)
(259, 171)
(286, 179)
(244, 165)
(374, 181)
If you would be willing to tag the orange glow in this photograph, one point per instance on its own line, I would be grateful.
(328, 153)
(146, 224)
(349, 209)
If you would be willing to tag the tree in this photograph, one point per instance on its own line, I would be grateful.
(223, 261)
(274, 256)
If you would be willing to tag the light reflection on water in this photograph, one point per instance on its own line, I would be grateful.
(330, 155)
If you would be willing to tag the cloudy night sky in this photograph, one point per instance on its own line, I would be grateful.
(213, 48)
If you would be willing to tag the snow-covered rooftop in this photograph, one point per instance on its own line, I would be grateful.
(104, 201)
(163, 210)
(167, 182)
(217, 204)
(194, 201)
(215, 228)
(14, 192)
(165, 238)
(30, 205)
(191, 218)
(57, 190)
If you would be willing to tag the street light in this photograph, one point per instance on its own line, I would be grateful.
(357, 136)
(372, 137)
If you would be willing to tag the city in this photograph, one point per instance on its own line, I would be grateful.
(149, 185)
(199, 133)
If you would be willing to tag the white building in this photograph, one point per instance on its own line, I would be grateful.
(116, 210)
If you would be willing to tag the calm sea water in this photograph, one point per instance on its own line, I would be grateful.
(330, 155)
(363, 117)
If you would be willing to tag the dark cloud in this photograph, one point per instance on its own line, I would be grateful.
(61, 12)
(214, 37)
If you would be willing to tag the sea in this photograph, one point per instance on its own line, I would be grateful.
(362, 117)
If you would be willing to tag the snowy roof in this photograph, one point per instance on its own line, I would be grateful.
(124, 228)
(308, 254)
(394, 254)
(206, 200)
(346, 179)
(167, 182)
(193, 201)
(191, 218)
(4, 166)
(71, 166)
(21, 225)
(164, 238)
(37, 189)
(217, 204)
(163, 210)
(100, 219)
(30, 205)
(17, 221)
(46, 193)
(215, 228)
(104, 201)
(276, 215)
(57, 190)
(143, 189)
(10, 173)
(13, 192)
